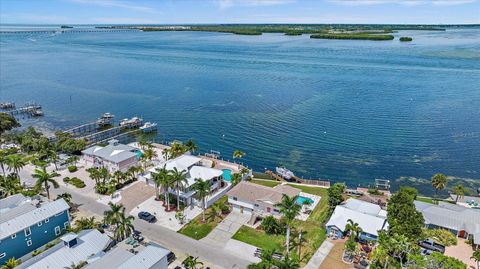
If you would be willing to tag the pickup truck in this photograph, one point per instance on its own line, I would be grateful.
(431, 245)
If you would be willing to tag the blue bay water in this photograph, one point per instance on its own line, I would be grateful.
(343, 110)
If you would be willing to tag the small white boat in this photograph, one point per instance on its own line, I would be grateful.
(284, 172)
(131, 123)
(149, 127)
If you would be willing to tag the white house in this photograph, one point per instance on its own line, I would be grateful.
(370, 218)
(114, 156)
(194, 169)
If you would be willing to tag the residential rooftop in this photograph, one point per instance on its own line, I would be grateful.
(19, 212)
(87, 245)
(113, 152)
(247, 191)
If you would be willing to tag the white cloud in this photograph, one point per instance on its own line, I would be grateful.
(118, 4)
(401, 2)
(224, 4)
(32, 18)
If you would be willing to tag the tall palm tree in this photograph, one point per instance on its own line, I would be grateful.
(15, 162)
(44, 178)
(290, 210)
(9, 185)
(113, 215)
(237, 154)
(179, 179)
(160, 177)
(192, 262)
(11, 263)
(119, 176)
(353, 228)
(132, 172)
(124, 227)
(166, 182)
(52, 156)
(439, 182)
(191, 146)
(236, 178)
(459, 192)
(202, 188)
(148, 155)
(3, 160)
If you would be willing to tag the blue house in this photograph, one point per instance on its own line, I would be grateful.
(26, 224)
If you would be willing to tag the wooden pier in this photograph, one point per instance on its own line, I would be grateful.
(317, 182)
(83, 129)
(31, 109)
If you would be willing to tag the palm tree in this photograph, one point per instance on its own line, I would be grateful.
(43, 178)
(9, 185)
(236, 178)
(119, 176)
(203, 188)
(267, 260)
(353, 228)
(237, 154)
(11, 263)
(288, 263)
(15, 162)
(179, 178)
(191, 146)
(132, 172)
(3, 160)
(161, 178)
(124, 227)
(113, 215)
(148, 155)
(191, 262)
(65, 196)
(86, 223)
(439, 182)
(476, 257)
(290, 210)
(52, 157)
(214, 212)
(459, 192)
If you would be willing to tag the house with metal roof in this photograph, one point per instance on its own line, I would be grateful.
(194, 169)
(462, 221)
(114, 156)
(370, 218)
(257, 200)
(74, 249)
(151, 257)
(27, 224)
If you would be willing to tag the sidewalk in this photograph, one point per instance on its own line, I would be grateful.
(320, 255)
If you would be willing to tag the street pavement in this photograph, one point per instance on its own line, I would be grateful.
(176, 242)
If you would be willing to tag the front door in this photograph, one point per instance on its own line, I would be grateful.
(241, 209)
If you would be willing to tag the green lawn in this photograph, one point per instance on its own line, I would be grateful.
(425, 199)
(259, 238)
(314, 226)
(197, 229)
(267, 183)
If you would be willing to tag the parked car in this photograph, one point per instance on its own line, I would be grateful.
(147, 216)
(431, 245)
(425, 252)
(171, 257)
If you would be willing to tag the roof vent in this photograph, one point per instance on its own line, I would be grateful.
(69, 240)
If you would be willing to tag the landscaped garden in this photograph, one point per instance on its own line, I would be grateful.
(198, 229)
(313, 232)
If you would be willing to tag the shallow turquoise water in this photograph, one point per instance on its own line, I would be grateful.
(349, 111)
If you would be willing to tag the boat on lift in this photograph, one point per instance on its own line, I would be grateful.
(284, 172)
(148, 127)
(131, 123)
(106, 119)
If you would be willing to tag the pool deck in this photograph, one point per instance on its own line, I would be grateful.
(316, 199)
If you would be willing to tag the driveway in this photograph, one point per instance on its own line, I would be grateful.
(320, 255)
(136, 194)
(461, 251)
(226, 229)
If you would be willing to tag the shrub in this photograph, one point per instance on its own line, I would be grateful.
(75, 181)
(271, 225)
(374, 191)
(36, 252)
(405, 38)
(101, 189)
(440, 236)
(72, 168)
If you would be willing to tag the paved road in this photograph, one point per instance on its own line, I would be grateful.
(174, 241)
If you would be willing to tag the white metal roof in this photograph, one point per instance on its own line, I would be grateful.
(205, 173)
(362, 206)
(89, 243)
(370, 224)
(182, 163)
(146, 258)
(32, 217)
(111, 259)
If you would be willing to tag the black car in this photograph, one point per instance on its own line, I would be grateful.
(147, 216)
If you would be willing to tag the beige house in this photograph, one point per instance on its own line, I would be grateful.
(250, 198)
(114, 156)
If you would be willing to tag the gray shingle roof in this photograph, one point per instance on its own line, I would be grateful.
(115, 153)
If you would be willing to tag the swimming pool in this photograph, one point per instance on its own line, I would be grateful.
(301, 200)
(227, 175)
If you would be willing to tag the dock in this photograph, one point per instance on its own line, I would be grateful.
(31, 109)
(317, 182)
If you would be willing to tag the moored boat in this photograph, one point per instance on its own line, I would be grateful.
(284, 172)
(148, 127)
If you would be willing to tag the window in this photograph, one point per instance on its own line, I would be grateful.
(256, 205)
(29, 242)
(57, 230)
(3, 255)
(276, 210)
(13, 236)
(58, 214)
(27, 231)
(39, 224)
(66, 224)
(47, 220)
(234, 198)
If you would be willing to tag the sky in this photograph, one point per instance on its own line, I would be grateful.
(239, 11)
